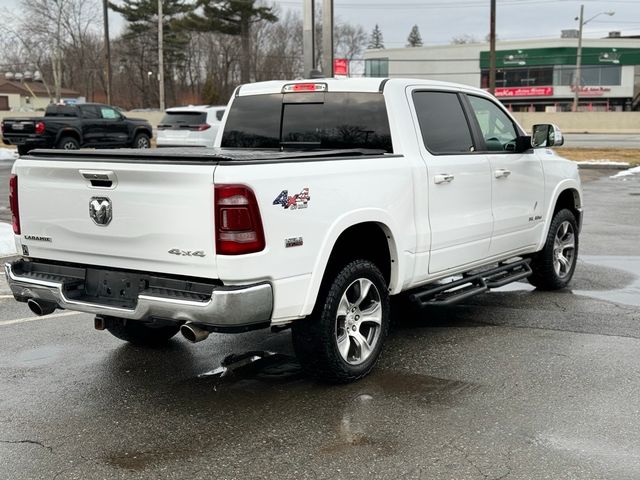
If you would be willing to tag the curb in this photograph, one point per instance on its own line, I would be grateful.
(595, 166)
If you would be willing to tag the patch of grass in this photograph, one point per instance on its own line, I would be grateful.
(630, 155)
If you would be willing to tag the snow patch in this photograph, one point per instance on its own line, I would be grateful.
(626, 173)
(6, 154)
(604, 162)
(7, 242)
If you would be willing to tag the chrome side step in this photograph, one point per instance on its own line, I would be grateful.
(471, 283)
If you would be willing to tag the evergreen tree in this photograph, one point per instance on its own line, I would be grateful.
(414, 39)
(375, 41)
(233, 17)
(141, 42)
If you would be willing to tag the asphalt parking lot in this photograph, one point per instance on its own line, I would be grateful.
(513, 384)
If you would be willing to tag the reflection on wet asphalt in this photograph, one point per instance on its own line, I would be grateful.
(626, 291)
(611, 278)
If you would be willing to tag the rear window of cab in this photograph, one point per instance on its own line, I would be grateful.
(325, 120)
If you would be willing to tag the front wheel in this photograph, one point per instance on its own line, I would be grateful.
(141, 141)
(342, 339)
(139, 333)
(554, 265)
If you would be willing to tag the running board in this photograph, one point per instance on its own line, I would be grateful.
(471, 283)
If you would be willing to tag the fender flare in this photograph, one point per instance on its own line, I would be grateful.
(567, 184)
(66, 130)
(339, 226)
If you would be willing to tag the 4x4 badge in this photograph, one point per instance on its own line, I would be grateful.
(100, 211)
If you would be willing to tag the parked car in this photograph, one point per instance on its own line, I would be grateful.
(326, 198)
(70, 127)
(192, 126)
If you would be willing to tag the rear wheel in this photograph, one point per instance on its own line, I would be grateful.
(141, 141)
(553, 266)
(342, 339)
(68, 143)
(139, 333)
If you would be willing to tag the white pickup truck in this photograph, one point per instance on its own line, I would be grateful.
(324, 198)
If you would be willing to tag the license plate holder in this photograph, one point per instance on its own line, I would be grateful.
(113, 287)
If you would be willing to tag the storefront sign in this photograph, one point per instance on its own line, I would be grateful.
(524, 92)
(592, 91)
(340, 67)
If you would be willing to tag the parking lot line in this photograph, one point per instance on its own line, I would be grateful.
(32, 319)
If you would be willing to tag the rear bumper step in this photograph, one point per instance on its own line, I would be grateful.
(214, 306)
(471, 284)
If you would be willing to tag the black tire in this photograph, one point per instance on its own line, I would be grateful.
(139, 333)
(316, 338)
(68, 143)
(23, 150)
(141, 140)
(546, 275)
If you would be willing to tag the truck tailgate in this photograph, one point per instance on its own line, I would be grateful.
(161, 215)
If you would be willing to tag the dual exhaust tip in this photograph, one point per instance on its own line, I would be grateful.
(191, 332)
(40, 307)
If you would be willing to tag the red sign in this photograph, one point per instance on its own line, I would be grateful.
(592, 91)
(341, 67)
(524, 92)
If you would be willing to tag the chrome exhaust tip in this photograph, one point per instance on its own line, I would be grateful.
(41, 308)
(193, 333)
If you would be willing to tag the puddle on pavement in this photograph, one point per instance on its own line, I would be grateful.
(37, 357)
(611, 278)
(625, 276)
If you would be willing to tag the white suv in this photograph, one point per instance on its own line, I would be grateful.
(191, 126)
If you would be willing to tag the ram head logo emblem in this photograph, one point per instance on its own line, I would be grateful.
(100, 211)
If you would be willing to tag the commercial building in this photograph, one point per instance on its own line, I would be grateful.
(532, 75)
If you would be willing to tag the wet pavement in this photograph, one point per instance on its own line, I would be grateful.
(514, 384)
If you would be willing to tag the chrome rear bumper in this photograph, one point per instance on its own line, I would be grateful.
(227, 307)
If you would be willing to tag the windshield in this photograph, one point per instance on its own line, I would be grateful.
(333, 120)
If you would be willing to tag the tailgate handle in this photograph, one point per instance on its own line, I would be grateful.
(99, 178)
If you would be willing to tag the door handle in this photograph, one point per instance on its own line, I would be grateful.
(502, 173)
(443, 178)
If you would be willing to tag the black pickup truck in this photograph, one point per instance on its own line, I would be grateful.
(70, 127)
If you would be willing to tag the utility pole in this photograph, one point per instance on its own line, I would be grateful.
(107, 48)
(327, 38)
(577, 83)
(577, 80)
(492, 49)
(160, 56)
(308, 37)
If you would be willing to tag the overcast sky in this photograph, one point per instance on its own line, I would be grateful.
(440, 20)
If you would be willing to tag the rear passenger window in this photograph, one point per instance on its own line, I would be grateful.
(89, 111)
(443, 124)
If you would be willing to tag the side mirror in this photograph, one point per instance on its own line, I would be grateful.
(546, 135)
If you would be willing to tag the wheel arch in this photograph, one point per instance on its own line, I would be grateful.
(69, 132)
(568, 194)
(141, 129)
(371, 239)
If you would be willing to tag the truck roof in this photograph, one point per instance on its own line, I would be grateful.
(367, 84)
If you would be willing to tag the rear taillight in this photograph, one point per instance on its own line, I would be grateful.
(202, 127)
(39, 127)
(238, 223)
(13, 203)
